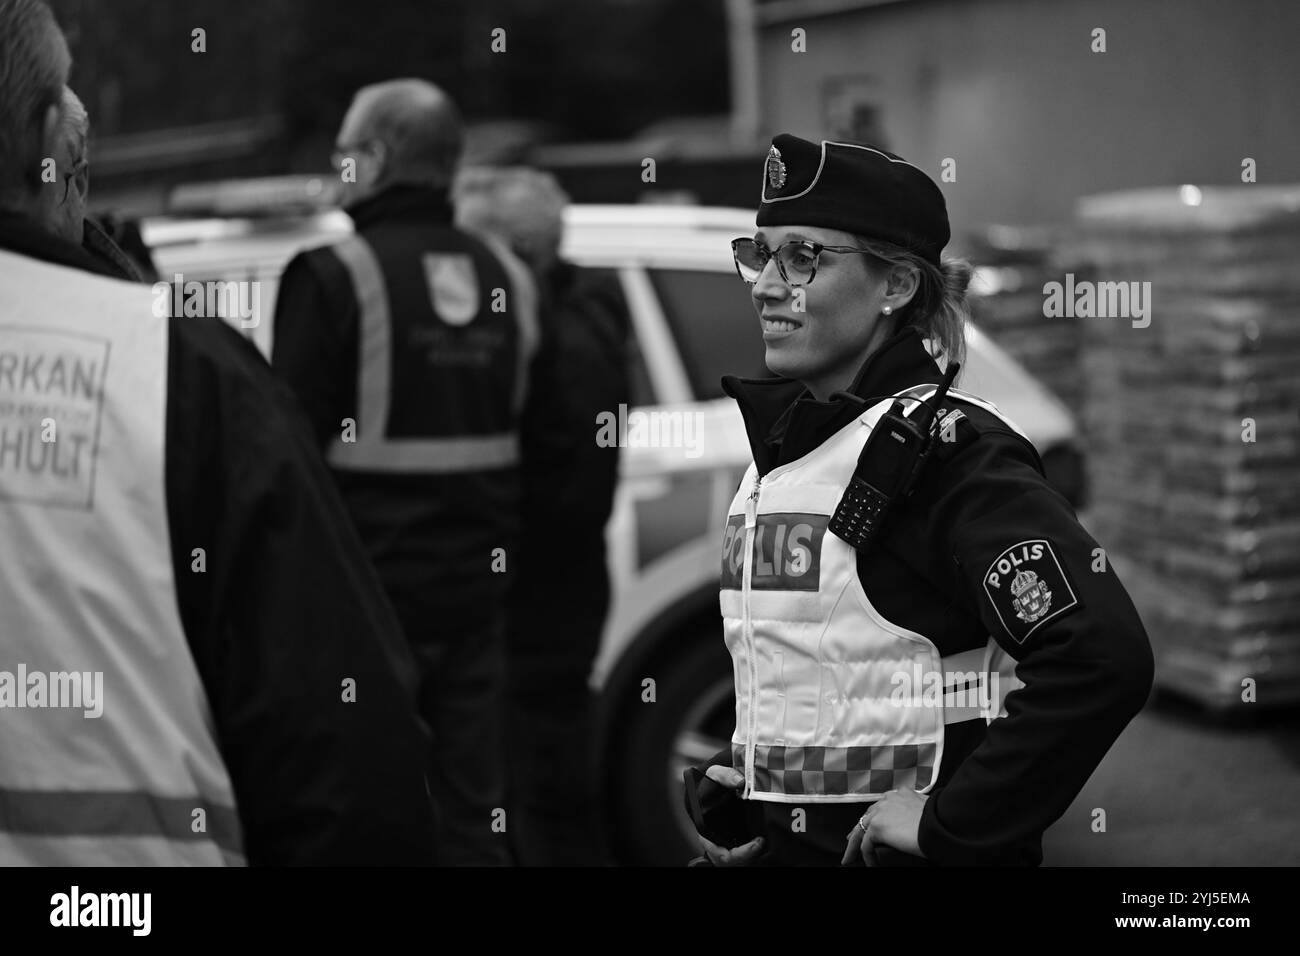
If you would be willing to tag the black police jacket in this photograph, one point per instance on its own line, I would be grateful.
(1087, 668)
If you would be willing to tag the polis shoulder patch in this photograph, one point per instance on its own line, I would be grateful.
(1027, 587)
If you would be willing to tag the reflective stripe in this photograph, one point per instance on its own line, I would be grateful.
(120, 813)
(374, 361)
(962, 702)
(811, 773)
(949, 423)
(23, 849)
(428, 455)
(372, 450)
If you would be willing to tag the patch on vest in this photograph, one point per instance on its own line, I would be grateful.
(51, 396)
(1027, 587)
(787, 552)
(453, 286)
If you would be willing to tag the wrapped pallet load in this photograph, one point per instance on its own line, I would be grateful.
(1014, 262)
(1191, 382)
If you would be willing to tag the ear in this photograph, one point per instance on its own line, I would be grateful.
(81, 183)
(901, 285)
(380, 151)
(50, 130)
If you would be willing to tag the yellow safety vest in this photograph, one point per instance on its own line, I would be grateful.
(107, 750)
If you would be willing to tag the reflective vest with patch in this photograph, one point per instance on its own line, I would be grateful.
(442, 378)
(108, 753)
(834, 703)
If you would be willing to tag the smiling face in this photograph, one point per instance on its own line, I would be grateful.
(822, 332)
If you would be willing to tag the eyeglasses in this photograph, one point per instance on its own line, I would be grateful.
(796, 259)
(77, 169)
(344, 152)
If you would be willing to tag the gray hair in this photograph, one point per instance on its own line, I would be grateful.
(419, 124)
(34, 64)
(508, 200)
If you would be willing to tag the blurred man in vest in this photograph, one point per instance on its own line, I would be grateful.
(196, 659)
(416, 351)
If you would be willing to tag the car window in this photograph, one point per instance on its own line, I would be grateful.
(714, 324)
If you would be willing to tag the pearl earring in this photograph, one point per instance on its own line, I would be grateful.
(888, 310)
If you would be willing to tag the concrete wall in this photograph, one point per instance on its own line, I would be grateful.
(1034, 119)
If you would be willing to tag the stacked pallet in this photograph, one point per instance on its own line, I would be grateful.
(1193, 423)
(1012, 266)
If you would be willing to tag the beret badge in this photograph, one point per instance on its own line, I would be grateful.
(775, 168)
(854, 188)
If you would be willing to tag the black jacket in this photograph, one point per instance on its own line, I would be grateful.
(558, 607)
(287, 607)
(1087, 669)
(431, 536)
(588, 318)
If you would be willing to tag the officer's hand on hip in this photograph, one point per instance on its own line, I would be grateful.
(726, 776)
(893, 821)
(736, 856)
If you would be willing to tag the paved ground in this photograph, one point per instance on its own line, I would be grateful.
(1183, 788)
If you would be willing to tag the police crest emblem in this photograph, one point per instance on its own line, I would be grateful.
(1031, 597)
(1027, 586)
(775, 168)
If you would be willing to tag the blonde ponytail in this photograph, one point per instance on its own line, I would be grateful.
(939, 308)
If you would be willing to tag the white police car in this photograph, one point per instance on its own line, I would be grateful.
(684, 452)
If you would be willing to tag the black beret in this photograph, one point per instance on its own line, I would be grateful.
(854, 188)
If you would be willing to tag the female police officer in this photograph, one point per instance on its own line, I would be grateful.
(871, 676)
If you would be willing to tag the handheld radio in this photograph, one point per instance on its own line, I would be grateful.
(888, 468)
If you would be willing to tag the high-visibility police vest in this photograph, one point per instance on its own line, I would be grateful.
(108, 754)
(834, 703)
(463, 287)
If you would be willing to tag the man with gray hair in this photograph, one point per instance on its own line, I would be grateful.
(416, 351)
(34, 63)
(221, 711)
(402, 131)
